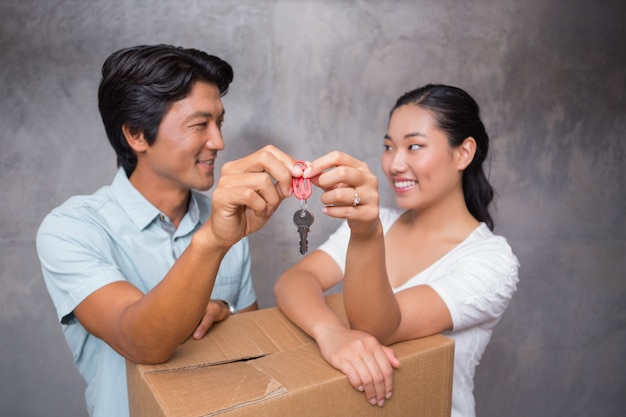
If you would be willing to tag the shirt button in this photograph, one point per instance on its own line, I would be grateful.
(175, 239)
(161, 217)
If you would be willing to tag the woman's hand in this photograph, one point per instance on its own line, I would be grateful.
(367, 364)
(350, 189)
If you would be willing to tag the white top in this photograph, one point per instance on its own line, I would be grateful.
(476, 280)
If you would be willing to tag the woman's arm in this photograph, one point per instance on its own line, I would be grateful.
(369, 301)
(300, 295)
(372, 306)
(368, 298)
(351, 192)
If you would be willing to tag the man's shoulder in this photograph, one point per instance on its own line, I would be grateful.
(86, 208)
(84, 203)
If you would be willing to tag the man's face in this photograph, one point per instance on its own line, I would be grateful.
(189, 137)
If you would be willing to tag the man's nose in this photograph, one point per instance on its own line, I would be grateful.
(215, 139)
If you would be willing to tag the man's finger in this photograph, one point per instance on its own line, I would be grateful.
(203, 327)
(259, 182)
(280, 166)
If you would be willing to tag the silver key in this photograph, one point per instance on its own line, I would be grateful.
(303, 219)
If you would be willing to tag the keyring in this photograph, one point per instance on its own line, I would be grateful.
(301, 186)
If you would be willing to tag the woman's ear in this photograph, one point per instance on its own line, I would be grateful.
(465, 153)
(135, 140)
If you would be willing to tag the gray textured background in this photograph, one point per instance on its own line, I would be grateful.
(312, 76)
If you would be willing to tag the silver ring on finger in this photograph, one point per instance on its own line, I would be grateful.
(356, 200)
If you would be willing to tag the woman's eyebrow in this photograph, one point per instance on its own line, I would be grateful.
(409, 135)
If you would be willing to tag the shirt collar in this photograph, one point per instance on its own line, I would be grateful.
(193, 210)
(140, 210)
(191, 218)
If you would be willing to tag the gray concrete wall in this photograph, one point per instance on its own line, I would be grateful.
(312, 76)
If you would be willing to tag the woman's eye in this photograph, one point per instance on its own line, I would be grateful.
(386, 147)
(414, 147)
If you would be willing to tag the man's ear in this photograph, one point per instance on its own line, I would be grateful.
(135, 139)
(465, 153)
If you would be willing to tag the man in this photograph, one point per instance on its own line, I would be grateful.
(143, 264)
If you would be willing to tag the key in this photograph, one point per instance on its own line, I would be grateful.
(303, 219)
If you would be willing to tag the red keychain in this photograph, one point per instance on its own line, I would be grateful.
(301, 186)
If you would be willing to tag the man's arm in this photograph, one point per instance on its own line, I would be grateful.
(148, 328)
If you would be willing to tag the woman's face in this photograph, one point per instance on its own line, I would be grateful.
(418, 161)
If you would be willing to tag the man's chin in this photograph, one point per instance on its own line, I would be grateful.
(204, 185)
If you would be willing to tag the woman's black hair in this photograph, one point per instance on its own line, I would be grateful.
(139, 84)
(458, 115)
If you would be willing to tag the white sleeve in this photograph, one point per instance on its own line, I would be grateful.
(478, 287)
(336, 246)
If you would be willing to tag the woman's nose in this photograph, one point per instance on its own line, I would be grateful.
(398, 162)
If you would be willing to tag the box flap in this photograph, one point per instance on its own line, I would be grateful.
(214, 389)
(246, 336)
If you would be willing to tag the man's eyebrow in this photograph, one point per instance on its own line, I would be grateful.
(205, 115)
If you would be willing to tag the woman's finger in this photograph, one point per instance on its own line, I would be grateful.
(344, 197)
(330, 160)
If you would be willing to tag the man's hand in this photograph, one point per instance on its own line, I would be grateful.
(249, 191)
(216, 310)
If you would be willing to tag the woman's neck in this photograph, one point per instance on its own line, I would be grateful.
(449, 218)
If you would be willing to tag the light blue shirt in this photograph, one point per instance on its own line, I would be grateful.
(117, 235)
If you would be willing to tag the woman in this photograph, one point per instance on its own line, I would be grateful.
(433, 265)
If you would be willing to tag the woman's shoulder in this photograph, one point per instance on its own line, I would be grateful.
(483, 244)
(482, 235)
(388, 216)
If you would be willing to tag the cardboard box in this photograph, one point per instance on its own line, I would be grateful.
(259, 364)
